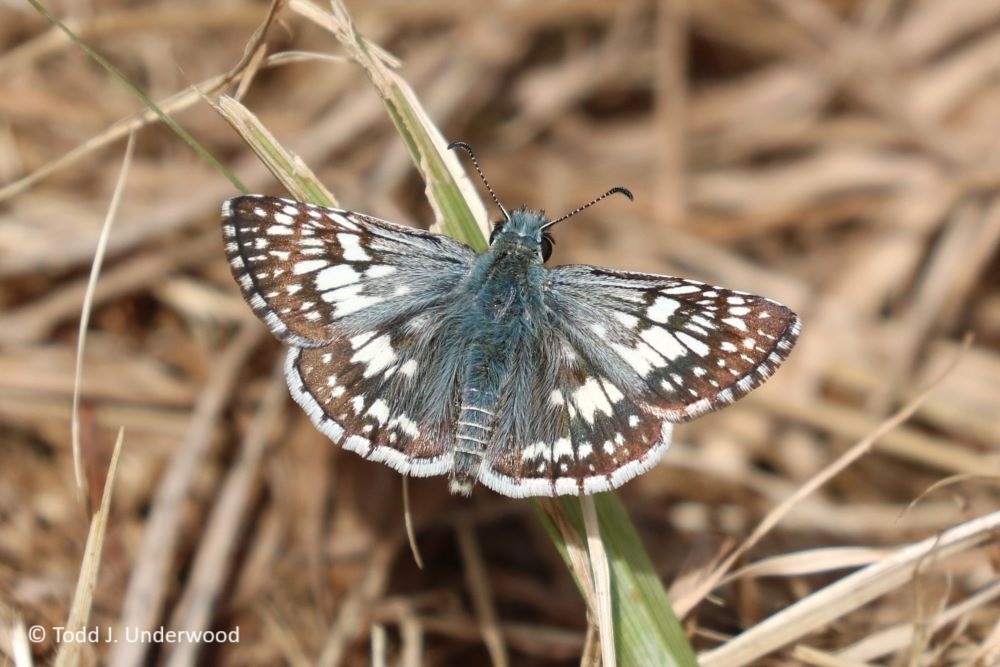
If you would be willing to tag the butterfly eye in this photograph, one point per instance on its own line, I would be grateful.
(497, 226)
(547, 243)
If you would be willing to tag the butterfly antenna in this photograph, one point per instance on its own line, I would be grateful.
(617, 190)
(475, 163)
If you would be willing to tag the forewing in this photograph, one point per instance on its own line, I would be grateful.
(313, 273)
(622, 357)
(680, 346)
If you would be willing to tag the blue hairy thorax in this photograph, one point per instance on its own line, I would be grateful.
(506, 279)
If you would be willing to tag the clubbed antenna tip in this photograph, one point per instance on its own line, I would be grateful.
(617, 190)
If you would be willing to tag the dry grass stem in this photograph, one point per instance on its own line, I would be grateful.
(411, 535)
(600, 574)
(849, 593)
(88, 301)
(83, 599)
(482, 595)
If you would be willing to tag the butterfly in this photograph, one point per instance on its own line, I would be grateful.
(411, 349)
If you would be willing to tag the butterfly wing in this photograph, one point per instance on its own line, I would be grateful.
(626, 355)
(387, 395)
(313, 273)
(363, 303)
(567, 428)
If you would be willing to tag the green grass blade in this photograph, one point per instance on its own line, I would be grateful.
(297, 178)
(145, 99)
(647, 632)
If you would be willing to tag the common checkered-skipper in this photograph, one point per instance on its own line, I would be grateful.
(410, 349)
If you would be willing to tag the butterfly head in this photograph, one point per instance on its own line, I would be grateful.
(523, 229)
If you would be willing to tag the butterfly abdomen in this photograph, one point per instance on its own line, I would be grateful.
(473, 431)
(485, 370)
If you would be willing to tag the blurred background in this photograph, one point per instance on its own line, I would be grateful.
(839, 156)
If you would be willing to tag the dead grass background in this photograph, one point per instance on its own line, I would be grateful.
(842, 157)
